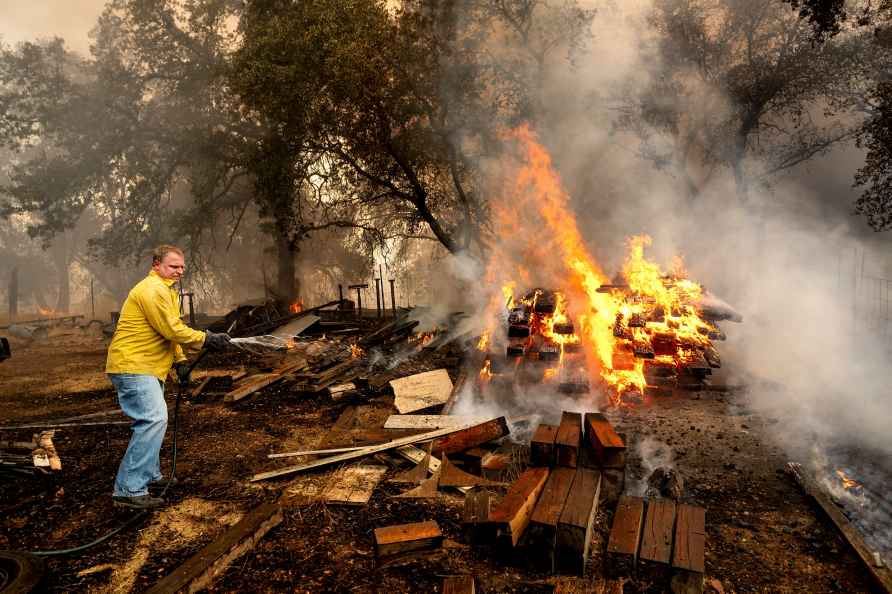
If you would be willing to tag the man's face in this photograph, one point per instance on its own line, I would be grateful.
(171, 266)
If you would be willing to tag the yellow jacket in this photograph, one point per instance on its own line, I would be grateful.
(149, 333)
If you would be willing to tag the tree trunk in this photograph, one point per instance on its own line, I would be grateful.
(63, 303)
(13, 293)
(286, 285)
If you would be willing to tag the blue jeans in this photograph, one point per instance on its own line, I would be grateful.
(142, 399)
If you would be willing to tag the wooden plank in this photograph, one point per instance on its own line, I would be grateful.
(430, 422)
(625, 536)
(567, 439)
(314, 452)
(255, 386)
(458, 584)
(655, 553)
(608, 446)
(347, 456)
(475, 519)
(882, 575)
(574, 531)
(512, 515)
(200, 570)
(422, 390)
(404, 538)
(471, 436)
(689, 551)
(456, 390)
(340, 391)
(353, 485)
(542, 449)
(542, 532)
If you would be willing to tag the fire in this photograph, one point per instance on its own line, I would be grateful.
(847, 482)
(648, 314)
(297, 306)
(483, 343)
(47, 312)
(356, 351)
(486, 371)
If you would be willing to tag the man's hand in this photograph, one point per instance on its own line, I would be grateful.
(183, 373)
(216, 342)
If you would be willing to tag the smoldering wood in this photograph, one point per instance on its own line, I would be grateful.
(564, 328)
(642, 349)
(512, 514)
(460, 439)
(623, 361)
(882, 575)
(637, 321)
(625, 536)
(576, 522)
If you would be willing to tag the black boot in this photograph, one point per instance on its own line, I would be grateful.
(138, 501)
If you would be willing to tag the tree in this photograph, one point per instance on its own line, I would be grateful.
(744, 87)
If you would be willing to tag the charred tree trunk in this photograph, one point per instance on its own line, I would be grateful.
(63, 303)
(286, 281)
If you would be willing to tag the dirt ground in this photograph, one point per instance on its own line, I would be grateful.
(762, 535)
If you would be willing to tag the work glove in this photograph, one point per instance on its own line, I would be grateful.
(216, 342)
(183, 373)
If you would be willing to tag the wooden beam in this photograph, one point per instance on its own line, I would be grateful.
(405, 538)
(470, 436)
(567, 439)
(542, 452)
(458, 584)
(475, 519)
(608, 446)
(625, 536)
(200, 570)
(347, 456)
(574, 530)
(655, 553)
(512, 515)
(689, 551)
(882, 575)
(452, 476)
(542, 532)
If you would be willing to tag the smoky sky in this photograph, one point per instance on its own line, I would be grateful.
(72, 20)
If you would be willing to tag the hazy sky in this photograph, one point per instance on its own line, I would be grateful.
(22, 20)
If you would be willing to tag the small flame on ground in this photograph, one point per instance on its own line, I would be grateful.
(356, 351)
(486, 371)
(483, 343)
(297, 306)
(847, 482)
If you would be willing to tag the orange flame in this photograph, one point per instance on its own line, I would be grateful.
(356, 351)
(486, 371)
(297, 306)
(613, 324)
(847, 482)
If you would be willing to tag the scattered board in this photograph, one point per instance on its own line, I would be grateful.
(430, 422)
(542, 452)
(353, 485)
(655, 553)
(405, 538)
(422, 390)
(567, 439)
(625, 536)
(608, 446)
(542, 531)
(513, 512)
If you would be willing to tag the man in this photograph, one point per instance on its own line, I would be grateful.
(147, 342)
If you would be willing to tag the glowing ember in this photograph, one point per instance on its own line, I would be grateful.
(356, 351)
(647, 314)
(296, 307)
(483, 343)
